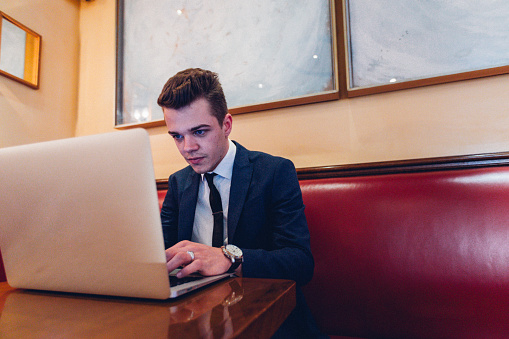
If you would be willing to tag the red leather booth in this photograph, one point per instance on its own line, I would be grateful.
(411, 255)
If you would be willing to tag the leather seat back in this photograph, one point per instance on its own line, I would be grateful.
(411, 255)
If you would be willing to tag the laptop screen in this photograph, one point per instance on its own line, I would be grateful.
(81, 215)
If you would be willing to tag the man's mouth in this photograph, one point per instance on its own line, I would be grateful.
(195, 160)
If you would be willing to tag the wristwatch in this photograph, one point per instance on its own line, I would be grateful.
(233, 253)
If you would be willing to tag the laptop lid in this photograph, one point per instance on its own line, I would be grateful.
(81, 215)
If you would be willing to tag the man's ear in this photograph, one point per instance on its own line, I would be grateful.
(227, 124)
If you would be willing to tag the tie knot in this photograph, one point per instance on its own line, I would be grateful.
(210, 178)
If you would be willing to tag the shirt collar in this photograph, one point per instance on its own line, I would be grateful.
(225, 167)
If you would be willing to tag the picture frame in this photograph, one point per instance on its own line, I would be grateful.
(268, 54)
(20, 52)
(423, 43)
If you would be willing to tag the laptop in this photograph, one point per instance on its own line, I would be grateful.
(81, 215)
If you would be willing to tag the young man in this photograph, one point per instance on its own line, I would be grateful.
(231, 209)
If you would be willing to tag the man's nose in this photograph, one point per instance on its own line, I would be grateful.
(190, 145)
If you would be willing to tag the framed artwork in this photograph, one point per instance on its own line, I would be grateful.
(400, 44)
(20, 51)
(268, 53)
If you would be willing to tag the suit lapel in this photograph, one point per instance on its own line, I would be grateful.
(241, 179)
(188, 206)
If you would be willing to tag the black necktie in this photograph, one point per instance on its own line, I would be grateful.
(217, 211)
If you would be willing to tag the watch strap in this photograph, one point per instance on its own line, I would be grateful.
(234, 266)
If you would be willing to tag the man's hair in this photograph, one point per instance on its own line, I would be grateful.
(191, 84)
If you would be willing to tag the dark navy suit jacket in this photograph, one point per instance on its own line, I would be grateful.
(265, 215)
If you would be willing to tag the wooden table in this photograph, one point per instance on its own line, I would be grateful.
(236, 307)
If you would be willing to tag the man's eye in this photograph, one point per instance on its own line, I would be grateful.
(199, 132)
(176, 136)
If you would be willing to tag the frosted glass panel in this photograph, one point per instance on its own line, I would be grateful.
(264, 50)
(401, 40)
(19, 52)
(12, 52)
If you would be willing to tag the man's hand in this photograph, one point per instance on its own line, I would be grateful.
(207, 260)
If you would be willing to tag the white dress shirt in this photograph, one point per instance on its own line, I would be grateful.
(203, 220)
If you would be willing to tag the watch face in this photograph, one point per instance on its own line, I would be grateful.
(234, 251)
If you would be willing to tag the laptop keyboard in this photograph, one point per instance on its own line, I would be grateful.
(174, 281)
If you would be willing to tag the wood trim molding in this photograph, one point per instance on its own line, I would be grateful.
(162, 184)
(406, 166)
(393, 167)
(375, 89)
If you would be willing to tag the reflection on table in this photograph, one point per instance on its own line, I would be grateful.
(239, 306)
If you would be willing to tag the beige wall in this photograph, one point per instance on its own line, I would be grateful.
(452, 119)
(28, 115)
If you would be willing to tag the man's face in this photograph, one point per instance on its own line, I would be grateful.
(199, 137)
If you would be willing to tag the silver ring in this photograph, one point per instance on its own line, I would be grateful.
(191, 253)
